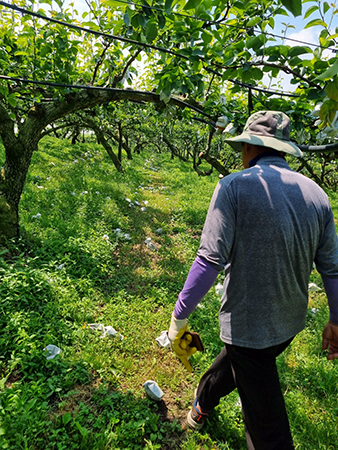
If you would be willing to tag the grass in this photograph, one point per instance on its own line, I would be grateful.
(71, 268)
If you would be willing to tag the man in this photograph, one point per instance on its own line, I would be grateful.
(265, 227)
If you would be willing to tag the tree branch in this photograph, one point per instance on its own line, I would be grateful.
(98, 64)
(120, 77)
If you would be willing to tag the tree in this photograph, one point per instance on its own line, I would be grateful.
(192, 52)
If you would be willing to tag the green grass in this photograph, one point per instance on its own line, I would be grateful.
(70, 268)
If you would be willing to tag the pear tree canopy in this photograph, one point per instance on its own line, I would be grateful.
(206, 58)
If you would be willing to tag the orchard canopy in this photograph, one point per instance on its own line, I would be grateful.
(192, 60)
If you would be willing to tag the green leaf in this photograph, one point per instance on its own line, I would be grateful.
(326, 7)
(328, 111)
(20, 53)
(277, 51)
(294, 6)
(200, 89)
(311, 10)
(113, 3)
(320, 65)
(161, 22)
(12, 100)
(332, 90)
(126, 19)
(167, 6)
(329, 73)
(239, 5)
(142, 20)
(66, 418)
(45, 50)
(207, 37)
(253, 21)
(295, 51)
(256, 42)
(135, 20)
(315, 22)
(192, 4)
(92, 25)
(325, 42)
(151, 31)
(295, 62)
(198, 65)
(281, 12)
(250, 41)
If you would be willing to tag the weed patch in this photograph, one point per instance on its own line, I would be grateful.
(82, 259)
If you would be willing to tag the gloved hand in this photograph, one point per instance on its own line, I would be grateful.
(180, 343)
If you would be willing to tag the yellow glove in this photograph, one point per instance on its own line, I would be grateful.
(180, 343)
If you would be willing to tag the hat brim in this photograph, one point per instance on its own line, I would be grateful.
(264, 141)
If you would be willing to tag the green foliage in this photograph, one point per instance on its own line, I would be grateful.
(203, 43)
(70, 269)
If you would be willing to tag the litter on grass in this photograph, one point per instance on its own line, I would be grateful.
(105, 330)
(313, 287)
(163, 339)
(52, 351)
(149, 244)
(36, 216)
(153, 390)
(313, 311)
(120, 234)
(219, 289)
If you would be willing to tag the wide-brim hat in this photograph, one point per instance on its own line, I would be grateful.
(268, 129)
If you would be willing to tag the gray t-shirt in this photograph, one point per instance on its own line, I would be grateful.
(265, 227)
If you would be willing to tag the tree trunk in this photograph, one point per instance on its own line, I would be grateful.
(120, 142)
(127, 148)
(19, 150)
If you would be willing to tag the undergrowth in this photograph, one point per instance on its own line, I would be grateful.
(82, 259)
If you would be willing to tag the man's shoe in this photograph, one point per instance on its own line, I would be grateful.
(196, 417)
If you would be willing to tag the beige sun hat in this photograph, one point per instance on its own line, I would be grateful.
(268, 129)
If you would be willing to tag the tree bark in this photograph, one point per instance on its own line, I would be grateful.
(19, 149)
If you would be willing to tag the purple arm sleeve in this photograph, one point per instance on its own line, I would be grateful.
(200, 279)
(331, 289)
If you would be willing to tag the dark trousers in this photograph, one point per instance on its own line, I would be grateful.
(254, 373)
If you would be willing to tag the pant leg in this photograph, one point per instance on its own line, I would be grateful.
(216, 383)
(256, 377)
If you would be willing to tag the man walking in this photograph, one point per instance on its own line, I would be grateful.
(265, 227)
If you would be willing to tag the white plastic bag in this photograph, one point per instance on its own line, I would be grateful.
(153, 390)
(52, 351)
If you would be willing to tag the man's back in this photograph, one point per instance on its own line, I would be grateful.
(264, 226)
